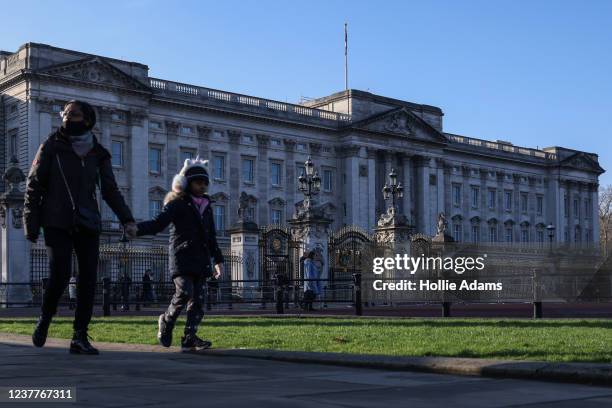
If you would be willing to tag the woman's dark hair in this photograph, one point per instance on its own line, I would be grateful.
(88, 111)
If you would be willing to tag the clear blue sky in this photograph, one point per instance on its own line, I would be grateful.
(536, 73)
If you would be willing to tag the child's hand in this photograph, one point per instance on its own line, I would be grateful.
(131, 229)
(218, 270)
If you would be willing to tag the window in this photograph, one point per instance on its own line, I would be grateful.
(508, 200)
(219, 212)
(540, 235)
(566, 205)
(493, 234)
(327, 180)
(577, 237)
(155, 125)
(301, 147)
(456, 194)
(154, 208)
(587, 202)
(247, 138)
(524, 201)
(276, 217)
(275, 174)
(276, 142)
(186, 130)
(250, 212)
(540, 205)
(475, 233)
(587, 235)
(509, 234)
(117, 153)
(155, 160)
(475, 195)
(577, 207)
(492, 198)
(219, 166)
(248, 167)
(13, 143)
(186, 154)
(457, 232)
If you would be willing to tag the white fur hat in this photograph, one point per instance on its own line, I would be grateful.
(179, 182)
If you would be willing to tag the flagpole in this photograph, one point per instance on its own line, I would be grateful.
(346, 56)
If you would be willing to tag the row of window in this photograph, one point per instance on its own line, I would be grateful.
(219, 213)
(509, 234)
(218, 165)
(588, 206)
(492, 199)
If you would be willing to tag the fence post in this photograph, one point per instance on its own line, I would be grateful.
(106, 296)
(279, 295)
(537, 301)
(45, 285)
(357, 294)
(446, 309)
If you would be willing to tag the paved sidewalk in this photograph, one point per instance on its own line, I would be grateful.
(150, 376)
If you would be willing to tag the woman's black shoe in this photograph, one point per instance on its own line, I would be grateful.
(164, 333)
(39, 337)
(80, 343)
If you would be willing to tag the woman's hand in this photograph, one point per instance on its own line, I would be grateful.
(218, 270)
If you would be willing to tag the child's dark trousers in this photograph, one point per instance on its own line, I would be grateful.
(188, 292)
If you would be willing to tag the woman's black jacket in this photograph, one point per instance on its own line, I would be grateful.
(47, 203)
(193, 239)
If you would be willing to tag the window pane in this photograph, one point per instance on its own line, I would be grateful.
(155, 160)
(247, 170)
(219, 167)
(117, 153)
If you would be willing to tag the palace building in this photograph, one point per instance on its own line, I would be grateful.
(489, 190)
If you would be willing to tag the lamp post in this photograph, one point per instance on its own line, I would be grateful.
(393, 190)
(309, 183)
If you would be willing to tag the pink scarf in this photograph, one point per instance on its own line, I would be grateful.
(200, 202)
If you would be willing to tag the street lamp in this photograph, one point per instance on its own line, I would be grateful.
(309, 182)
(393, 190)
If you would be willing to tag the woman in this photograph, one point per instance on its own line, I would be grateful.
(312, 286)
(60, 197)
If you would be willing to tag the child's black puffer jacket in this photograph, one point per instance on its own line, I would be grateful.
(193, 239)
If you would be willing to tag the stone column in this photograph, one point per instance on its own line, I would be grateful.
(204, 141)
(311, 229)
(371, 193)
(594, 219)
(15, 247)
(263, 183)
(291, 175)
(423, 211)
(245, 247)
(172, 153)
(234, 173)
(353, 197)
(407, 183)
(139, 151)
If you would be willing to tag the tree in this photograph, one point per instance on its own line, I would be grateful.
(605, 216)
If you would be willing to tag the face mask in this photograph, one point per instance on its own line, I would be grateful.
(75, 128)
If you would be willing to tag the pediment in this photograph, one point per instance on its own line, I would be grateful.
(582, 161)
(401, 122)
(157, 191)
(94, 70)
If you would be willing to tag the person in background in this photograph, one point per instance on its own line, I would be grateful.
(311, 284)
(72, 292)
(147, 287)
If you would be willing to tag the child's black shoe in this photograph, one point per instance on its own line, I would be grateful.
(164, 333)
(191, 342)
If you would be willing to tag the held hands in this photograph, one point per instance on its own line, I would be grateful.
(218, 270)
(131, 230)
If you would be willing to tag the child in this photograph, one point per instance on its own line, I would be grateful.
(192, 243)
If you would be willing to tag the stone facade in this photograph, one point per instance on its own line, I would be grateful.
(489, 190)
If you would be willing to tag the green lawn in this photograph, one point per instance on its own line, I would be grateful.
(551, 340)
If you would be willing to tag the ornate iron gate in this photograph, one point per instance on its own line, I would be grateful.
(346, 250)
(278, 253)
